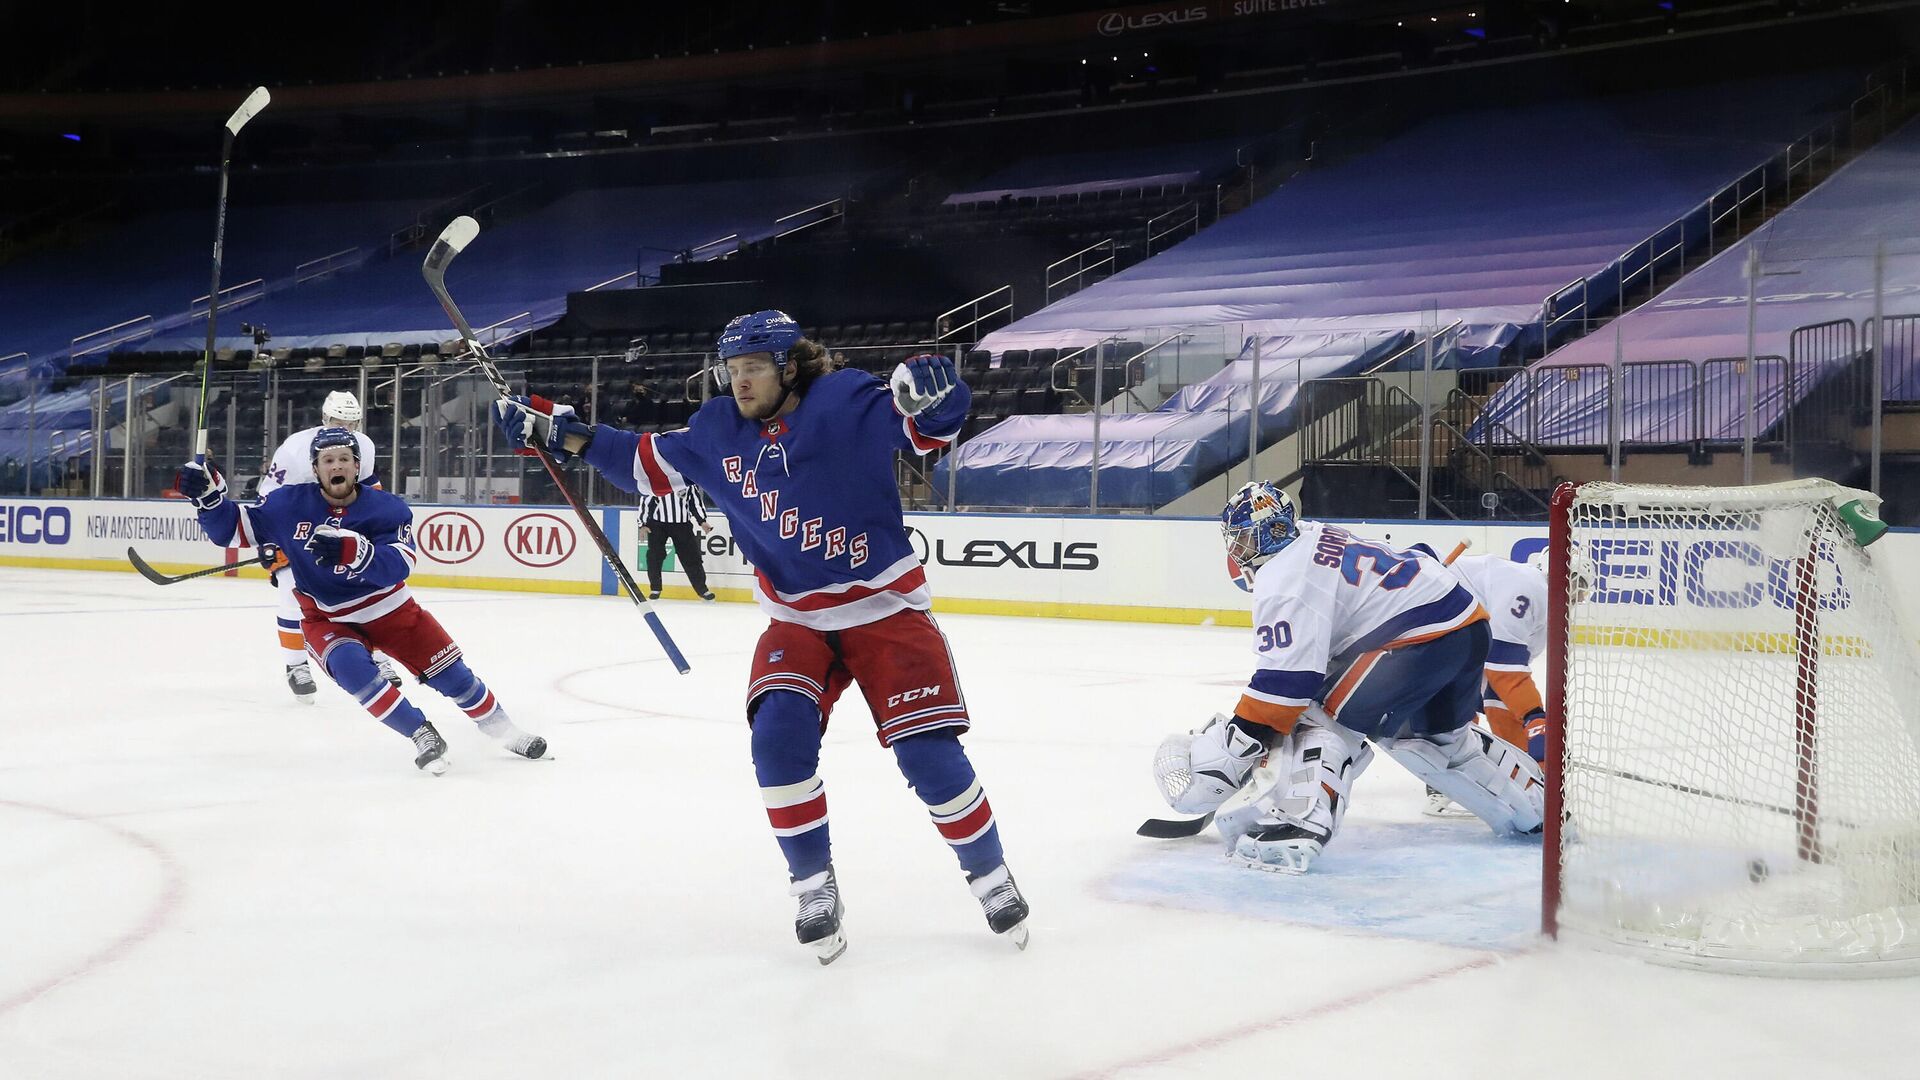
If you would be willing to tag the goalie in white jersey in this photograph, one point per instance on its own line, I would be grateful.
(1353, 641)
(293, 464)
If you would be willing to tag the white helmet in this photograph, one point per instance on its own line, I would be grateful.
(343, 407)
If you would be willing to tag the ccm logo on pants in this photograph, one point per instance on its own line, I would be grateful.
(912, 695)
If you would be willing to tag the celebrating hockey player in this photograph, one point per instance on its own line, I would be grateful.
(1353, 642)
(292, 464)
(349, 548)
(801, 462)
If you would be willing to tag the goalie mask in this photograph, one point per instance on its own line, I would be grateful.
(1257, 523)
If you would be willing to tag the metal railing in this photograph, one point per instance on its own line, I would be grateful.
(231, 297)
(612, 281)
(107, 337)
(1416, 345)
(1170, 224)
(978, 311)
(327, 265)
(831, 210)
(1077, 273)
(715, 249)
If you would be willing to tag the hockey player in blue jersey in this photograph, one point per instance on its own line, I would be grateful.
(349, 546)
(801, 461)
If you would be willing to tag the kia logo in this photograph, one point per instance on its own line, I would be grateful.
(540, 540)
(449, 537)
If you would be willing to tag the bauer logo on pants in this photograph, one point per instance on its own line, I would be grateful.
(540, 540)
(450, 537)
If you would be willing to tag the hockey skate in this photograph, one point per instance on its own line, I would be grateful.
(386, 672)
(1440, 806)
(300, 681)
(818, 923)
(1000, 900)
(433, 749)
(1281, 847)
(502, 730)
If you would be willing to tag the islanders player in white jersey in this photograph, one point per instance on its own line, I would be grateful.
(1353, 642)
(291, 464)
(801, 461)
(1515, 598)
(350, 549)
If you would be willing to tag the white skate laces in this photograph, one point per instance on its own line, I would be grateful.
(1000, 900)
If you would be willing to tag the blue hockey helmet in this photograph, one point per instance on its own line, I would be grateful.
(763, 331)
(329, 437)
(1257, 523)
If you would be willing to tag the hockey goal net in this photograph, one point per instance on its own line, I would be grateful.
(1734, 740)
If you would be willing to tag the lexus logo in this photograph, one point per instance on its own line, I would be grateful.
(1112, 24)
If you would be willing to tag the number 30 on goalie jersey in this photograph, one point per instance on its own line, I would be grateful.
(1329, 597)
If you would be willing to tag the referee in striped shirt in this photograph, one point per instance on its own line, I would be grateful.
(664, 516)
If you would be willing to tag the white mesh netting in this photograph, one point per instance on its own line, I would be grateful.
(1741, 779)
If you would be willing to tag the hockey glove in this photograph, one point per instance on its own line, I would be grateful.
(922, 382)
(202, 485)
(346, 551)
(535, 422)
(1218, 760)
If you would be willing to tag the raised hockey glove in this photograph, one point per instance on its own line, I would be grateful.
(346, 551)
(922, 382)
(202, 485)
(535, 422)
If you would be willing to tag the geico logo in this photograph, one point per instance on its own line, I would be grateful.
(35, 525)
(540, 540)
(450, 537)
(1025, 555)
(1707, 574)
(912, 695)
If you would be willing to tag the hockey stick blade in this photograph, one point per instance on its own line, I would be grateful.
(147, 571)
(248, 109)
(1164, 829)
(451, 242)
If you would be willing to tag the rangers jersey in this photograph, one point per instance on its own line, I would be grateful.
(810, 496)
(1330, 596)
(293, 462)
(288, 517)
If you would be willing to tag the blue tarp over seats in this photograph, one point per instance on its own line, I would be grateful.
(1816, 267)
(156, 265)
(1477, 218)
(1149, 459)
(50, 430)
(1104, 170)
(531, 262)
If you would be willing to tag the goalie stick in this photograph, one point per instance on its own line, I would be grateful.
(452, 241)
(265, 558)
(1173, 829)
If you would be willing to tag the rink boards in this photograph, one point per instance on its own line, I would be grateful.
(1129, 568)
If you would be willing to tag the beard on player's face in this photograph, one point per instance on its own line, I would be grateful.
(756, 385)
(337, 474)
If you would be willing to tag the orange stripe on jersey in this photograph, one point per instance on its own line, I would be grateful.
(1505, 726)
(1280, 718)
(1351, 680)
(1479, 615)
(279, 563)
(1516, 690)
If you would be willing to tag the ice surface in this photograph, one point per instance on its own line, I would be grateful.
(200, 878)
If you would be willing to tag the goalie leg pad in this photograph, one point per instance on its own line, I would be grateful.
(1492, 778)
(1287, 828)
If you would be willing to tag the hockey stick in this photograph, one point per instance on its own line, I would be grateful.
(1170, 829)
(451, 242)
(267, 554)
(1166, 829)
(254, 103)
